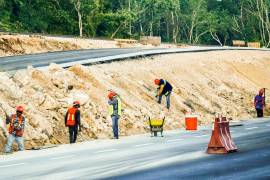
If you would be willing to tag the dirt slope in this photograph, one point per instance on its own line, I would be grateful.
(205, 83)
(31, 44)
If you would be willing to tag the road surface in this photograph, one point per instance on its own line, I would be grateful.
(179, 154)
(93, 56)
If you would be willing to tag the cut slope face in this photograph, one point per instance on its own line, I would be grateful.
(205, 83)
(22, 44)
(25, 44)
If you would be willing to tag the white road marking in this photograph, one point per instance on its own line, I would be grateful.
(251, 128)
(108, 150)
(10, 165)
(268, 125)
(62, 157)
(140, 145)
(202, 135)
(173, 140)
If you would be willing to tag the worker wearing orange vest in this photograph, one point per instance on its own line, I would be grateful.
(73, 121)
(16, 124)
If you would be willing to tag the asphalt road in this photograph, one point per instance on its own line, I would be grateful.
(44, 59)
(179, 154)
(92, 56)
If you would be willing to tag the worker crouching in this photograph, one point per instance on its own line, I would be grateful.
(73, 121)
(16, 124)
(115, 110)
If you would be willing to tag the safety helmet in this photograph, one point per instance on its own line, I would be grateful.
(19, 108)
(111, 94)
(157, 81)
(76, 103)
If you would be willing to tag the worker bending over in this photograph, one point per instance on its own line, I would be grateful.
(164, 88)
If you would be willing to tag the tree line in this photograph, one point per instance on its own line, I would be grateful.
(179, 21)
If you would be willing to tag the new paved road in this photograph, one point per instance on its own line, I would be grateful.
(92, 56)
(178, 155)
(44, 59)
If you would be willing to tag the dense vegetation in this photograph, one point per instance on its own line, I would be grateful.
(189, 21)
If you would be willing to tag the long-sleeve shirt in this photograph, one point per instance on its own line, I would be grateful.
(259, 102)
(164, 87)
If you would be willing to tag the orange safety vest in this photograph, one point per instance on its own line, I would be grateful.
(11, 129)
(71, 116)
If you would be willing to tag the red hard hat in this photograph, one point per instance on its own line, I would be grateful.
(111, 94)
(19, 108)
(157, 81)
(76, 103)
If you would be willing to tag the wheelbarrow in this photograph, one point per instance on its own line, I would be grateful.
(156, 125)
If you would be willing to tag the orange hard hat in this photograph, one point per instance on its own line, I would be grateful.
(157, 81)
(76, 103)
(111, 94)
(19, 108)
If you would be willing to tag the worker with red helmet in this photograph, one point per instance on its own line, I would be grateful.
(164, 88)
(259, 102)
(115, 111)
(16, 124)
(73, 121)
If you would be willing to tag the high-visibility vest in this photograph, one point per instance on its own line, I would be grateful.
(119, 108)
(12, 129)
(71, 116)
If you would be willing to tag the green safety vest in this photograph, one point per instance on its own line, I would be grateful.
(119, 108)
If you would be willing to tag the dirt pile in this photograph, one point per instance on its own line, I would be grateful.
(22, 44)
(205, 83)
(31, 44)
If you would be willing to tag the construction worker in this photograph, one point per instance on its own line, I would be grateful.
(115, 110)
(259, 103)
(73, 121)
(16, 124)
(164, 88)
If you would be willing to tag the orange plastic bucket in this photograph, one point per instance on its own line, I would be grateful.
(191, 122)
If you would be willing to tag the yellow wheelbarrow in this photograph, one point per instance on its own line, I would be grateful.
(156, 125)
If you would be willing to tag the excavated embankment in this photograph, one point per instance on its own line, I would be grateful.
(205, 83)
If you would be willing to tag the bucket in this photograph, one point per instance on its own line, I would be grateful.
(191, 122)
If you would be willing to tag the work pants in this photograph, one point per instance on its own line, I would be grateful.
(11, 139)
(115, 126)
(73, 132)
(259, 112)
(168, 101)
